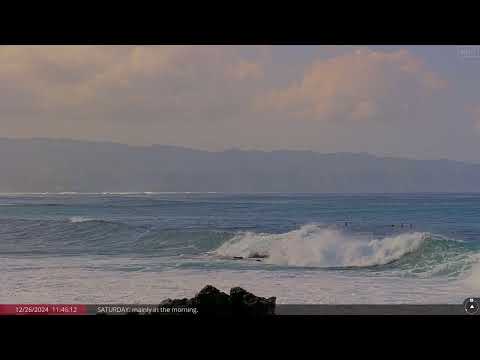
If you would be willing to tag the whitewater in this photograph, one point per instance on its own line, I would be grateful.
(301, 248)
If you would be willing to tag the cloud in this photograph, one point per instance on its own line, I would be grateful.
(357, 86)
(151, 84)
(108, 81)
(217, 97)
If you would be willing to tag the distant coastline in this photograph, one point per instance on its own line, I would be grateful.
(74, 166)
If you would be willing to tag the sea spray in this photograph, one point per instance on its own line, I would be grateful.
(313, 245)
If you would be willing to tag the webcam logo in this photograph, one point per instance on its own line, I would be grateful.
(471, 306)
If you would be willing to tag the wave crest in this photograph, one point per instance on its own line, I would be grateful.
(80, 219)
(312, 245)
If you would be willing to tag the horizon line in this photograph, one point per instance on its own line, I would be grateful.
(239, 193)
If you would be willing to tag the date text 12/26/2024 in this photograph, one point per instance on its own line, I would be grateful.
(81, 309)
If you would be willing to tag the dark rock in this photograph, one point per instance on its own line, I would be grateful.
(237, 258)
(166, 303)
(245, 303)
(213, 302)
(257, 255)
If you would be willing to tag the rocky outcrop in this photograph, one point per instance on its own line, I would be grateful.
(212, 302)
(257, 255)
(245, 303)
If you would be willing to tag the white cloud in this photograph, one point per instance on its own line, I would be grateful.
(218, 97)
(100, 80)
(357, 86)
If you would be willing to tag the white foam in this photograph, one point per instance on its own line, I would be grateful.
(95, 280)
(313, 245)
(473, 276)
(80, 219)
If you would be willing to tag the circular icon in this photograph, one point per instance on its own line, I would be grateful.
(471, 306)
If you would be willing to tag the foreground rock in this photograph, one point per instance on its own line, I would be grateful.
(213, 302)
(245, 303)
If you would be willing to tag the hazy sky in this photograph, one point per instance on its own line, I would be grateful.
(420, 102)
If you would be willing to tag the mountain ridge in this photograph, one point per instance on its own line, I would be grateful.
(61, 165)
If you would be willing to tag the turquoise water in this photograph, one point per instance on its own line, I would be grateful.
(417, 236)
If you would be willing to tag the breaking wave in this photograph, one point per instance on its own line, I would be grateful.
(418, 254)
(316, 246)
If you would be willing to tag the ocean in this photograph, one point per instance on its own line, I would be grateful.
(301, 248)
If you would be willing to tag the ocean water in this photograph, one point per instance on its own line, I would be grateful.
(301, 248)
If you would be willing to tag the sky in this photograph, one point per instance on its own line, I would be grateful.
(420, 102)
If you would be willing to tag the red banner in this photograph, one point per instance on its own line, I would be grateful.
(43, 309)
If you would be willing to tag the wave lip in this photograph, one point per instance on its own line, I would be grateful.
(80, 219)
(315, 246)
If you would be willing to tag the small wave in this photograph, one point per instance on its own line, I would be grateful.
(23, 204)
(96, 221)
(81, 219)
(315, 246)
